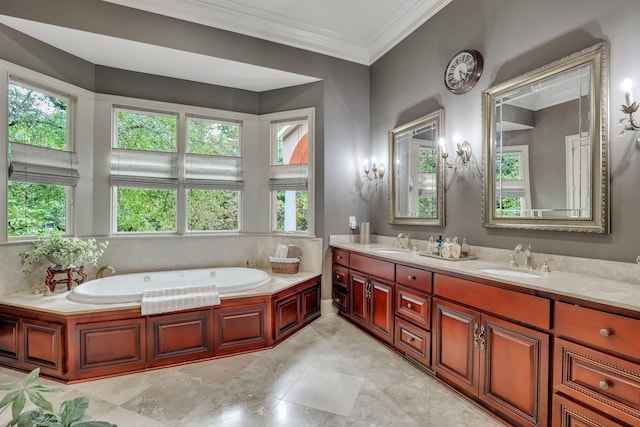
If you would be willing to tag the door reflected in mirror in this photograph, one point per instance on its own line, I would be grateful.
(545, 139)
(416, 172)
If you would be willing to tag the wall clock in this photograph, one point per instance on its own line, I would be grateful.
(463, 71)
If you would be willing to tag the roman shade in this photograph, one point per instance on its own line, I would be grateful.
(206, 172)
(42, 165)
(288, 177)
(144, 169)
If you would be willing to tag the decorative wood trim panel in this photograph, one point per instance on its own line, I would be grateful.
(567, 413)
(9, 337)
(413, 306)
(43, 345)
(288, 316)
(413, 340)
(310, 303)
(179, 337)
(240, 328)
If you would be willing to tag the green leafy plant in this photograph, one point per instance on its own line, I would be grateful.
(63, 251)
(70, 414)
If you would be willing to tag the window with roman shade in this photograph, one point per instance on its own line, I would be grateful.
(43, 169)
(288, 174)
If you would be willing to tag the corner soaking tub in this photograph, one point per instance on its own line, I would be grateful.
(129, 287)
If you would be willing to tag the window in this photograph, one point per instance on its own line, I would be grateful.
(288, 176)
(513, 194)
(43, 170)
(213, 175)
(159, 178)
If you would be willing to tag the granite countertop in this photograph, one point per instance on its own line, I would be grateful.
(59, 304)
(605, 291)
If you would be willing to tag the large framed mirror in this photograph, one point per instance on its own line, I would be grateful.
(416, 195)
(546, 147)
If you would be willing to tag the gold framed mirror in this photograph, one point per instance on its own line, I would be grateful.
(416, 195)
(545, 147)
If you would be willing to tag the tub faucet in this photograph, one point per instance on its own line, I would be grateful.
(101, 270)
(528, 255)
(405, 240)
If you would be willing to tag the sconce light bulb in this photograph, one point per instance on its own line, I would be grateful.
(627, 85)
(373, 161)
(457, 138)
(443, 145)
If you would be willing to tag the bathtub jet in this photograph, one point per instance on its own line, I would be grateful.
(127, 288)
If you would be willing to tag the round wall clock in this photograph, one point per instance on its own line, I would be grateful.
(463, 71)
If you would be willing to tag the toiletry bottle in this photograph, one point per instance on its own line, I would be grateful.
(439, 245)
(456, 249)
(465, 249)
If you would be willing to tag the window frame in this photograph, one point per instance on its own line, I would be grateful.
(48, 86)
(307, 114)
(183, 114)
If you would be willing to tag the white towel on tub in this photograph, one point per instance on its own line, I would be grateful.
(166, 300)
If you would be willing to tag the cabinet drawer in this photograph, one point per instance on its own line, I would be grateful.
(375, 267)
(599, 380)
(414, 341)
(415, 278)
(413, 306)
(605, 330)
(567, 413)
(340, 298)
(341, 257)
(339, 276)
(518, 306)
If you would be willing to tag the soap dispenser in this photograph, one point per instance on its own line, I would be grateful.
(464, 249)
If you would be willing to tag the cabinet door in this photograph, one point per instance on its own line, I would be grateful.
(358, 299)
(381, 309)
(310, 303)
(173, 338)
(240, 328)
(456, 329)
(514, 366)
(287, 311)
(567, 413)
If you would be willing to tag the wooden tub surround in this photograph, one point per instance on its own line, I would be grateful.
(531, 354)
(86, 345)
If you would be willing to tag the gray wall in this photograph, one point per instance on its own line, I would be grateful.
(514, 36)
(341, 100)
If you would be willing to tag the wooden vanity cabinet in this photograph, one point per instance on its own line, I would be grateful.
(295, 307)
(371, 295)
(340, 288)
(596, 365)
(500, 362)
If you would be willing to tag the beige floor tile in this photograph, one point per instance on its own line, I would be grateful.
(332, 392)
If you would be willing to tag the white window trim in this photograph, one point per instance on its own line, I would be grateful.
(79, 136)
(309, 114)
(523, 185)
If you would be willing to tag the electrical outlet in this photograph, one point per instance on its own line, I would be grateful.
(352, 222)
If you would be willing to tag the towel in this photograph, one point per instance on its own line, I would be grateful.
(175, 299)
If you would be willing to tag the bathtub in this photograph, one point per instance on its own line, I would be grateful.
(129, 287)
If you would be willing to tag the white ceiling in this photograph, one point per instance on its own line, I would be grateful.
(360, 31)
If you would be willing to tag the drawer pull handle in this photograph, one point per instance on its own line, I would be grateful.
(410, 339)
(604, 385)
(605, 332)
(409, 306)
(411, 277)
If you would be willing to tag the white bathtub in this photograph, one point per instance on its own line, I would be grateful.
(129, 287)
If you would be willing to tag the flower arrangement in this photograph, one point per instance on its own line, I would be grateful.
(64, 252)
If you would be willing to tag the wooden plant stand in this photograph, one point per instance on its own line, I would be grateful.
(51, 281)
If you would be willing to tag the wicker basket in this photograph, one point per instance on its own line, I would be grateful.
(284, 265)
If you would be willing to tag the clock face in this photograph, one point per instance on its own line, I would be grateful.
(463, 71)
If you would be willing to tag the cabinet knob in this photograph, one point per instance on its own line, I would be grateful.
(411, 277)
(338, 257)
(410, 339)
(604, 384)
(605, 332)
(409, 305)
(337, 277)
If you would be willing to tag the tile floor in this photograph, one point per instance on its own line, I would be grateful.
(329, 374)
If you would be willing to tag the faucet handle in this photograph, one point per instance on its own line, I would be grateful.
(545, 266)
(513, 262)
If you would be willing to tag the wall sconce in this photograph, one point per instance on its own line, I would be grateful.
(630, 108)
(463, 151)
(375, 173)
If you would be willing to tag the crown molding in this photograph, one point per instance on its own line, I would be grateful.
(233, 16)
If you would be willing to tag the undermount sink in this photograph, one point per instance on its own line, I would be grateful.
(390, 251)
(509, 272)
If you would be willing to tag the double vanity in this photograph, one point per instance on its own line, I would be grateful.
(535, 349)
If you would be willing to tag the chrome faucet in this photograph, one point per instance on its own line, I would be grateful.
(101, 270)
(528, 255)
(405, 240)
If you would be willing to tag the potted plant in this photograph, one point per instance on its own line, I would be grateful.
(71, 412)
(64, 252)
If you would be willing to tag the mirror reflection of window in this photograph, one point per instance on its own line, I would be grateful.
(513, 190)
